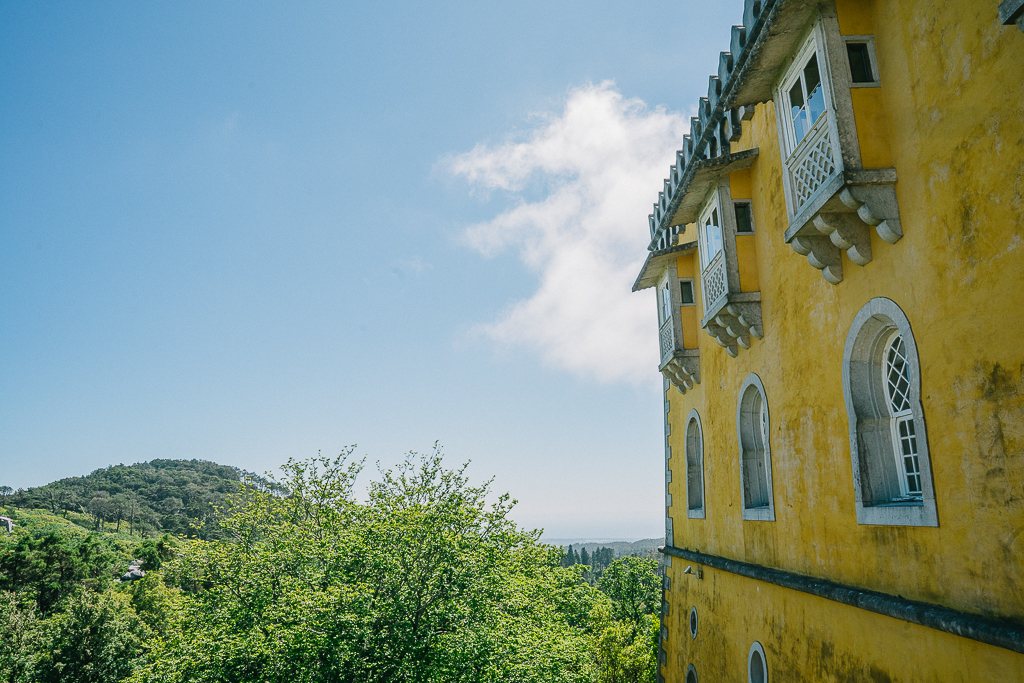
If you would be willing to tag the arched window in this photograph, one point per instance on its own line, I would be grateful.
(694, 467)
(888, 442)
(752, 425)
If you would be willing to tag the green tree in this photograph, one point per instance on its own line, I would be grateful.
(632, 584)
(627, 652)
(98, 639)
(424, 581)
(50, 568)
(19, 637)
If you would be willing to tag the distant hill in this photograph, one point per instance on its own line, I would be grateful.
(144, 499)
(647, 547)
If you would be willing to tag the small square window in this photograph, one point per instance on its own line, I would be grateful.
(743, 223)
(686, 292)
(860, 63)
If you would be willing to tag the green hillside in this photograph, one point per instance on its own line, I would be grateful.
(144, 499)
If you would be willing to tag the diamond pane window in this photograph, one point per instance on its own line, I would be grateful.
(897, 376)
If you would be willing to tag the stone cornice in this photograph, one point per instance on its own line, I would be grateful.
(982, 629)
(656, 260)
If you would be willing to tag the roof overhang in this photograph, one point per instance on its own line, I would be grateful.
(656, 262)
(759, 65)
(705, 175)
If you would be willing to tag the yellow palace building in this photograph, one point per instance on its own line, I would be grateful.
(838, 255)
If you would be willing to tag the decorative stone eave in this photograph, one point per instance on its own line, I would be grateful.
(839, 216)
(734, 319)
(682, 369)
(1011, 12)
(701, 176)
(762, 46)
(745, 77)
(655, 264)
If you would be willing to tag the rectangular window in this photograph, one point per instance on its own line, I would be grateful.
(686, 292)
(860, 63)
(743, 223)
(907, 439)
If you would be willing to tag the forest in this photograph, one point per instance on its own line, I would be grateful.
(425, 578)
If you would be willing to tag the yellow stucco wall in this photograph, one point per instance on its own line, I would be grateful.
(952, 101)
(746, 257)
(809, 639)
(872, 129)
(688, 314)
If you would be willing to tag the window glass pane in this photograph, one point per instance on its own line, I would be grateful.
(860, 62)
(686, 291)
(666, 304)
(712, 235)
(800, 124)
(815, 94)
(897, 376)
(743, 218)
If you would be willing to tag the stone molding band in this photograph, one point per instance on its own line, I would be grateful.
(963, 624)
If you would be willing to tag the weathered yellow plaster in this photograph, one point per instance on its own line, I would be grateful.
(739, 184)
(746, 256)
(688, 314)
(872, 130)
(855, 17)
(807, 638)
(952, 112)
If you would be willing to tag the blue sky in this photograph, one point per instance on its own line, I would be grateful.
(244, 232)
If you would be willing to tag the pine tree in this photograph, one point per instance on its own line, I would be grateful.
(584, 557)
(569, 559)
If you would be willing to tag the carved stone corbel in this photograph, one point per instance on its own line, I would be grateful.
(848, 232)
(822, 254)
(876, 205)
(682, 369)
(735, 324)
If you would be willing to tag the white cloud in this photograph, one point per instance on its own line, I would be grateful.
(600, 163)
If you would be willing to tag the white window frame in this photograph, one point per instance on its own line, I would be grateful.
(758, 648)
(813, 45)
(750, 214)
(710, 207)
(693, 420)
(664, 301)
(901, 417)
(693, 291)
(868, 40)
(764, 513)
(873, 445)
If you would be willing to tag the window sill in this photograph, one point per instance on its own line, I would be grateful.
(765, 513)
(909, 502)
(922, 513)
